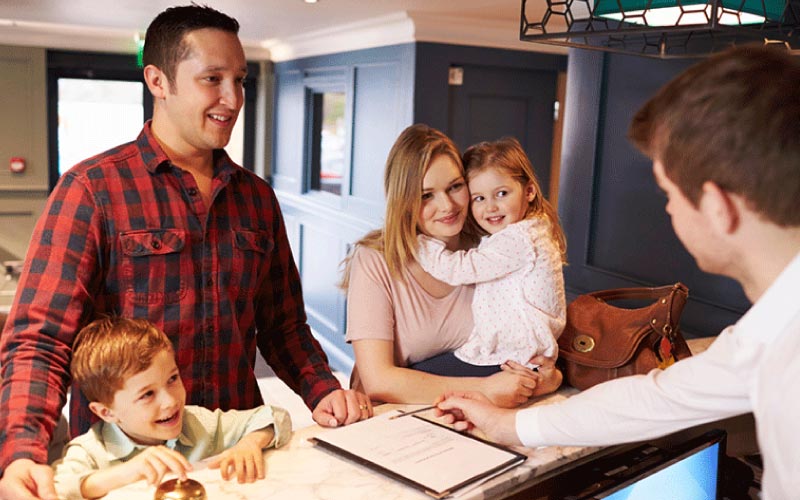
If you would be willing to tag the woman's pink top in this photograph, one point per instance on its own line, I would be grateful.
(381, 307)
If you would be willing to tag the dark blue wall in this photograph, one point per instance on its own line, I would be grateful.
(432, 95)
(378, 84)
(618, 233)
(503, 93)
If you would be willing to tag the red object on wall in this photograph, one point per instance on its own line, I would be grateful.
(16, 164)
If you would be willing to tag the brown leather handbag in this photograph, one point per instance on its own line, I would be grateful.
(602, 341)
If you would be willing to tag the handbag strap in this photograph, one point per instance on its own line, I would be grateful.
(640, 292)
(666, 293)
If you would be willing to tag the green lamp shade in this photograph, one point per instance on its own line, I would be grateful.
(688, 12)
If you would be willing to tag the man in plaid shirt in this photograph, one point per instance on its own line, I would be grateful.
(166, 228)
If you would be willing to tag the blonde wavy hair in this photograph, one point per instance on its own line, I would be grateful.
(408, 161)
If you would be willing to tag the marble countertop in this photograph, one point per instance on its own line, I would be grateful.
(302, 471)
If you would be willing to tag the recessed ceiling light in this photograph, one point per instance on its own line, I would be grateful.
(310, 1)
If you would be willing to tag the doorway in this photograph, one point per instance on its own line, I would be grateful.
(493, 102)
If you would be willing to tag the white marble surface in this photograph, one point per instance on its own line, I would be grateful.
(301, 471)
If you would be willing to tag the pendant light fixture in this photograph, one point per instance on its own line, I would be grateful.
(661, 28)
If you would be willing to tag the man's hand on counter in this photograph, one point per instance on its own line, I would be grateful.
(24, 479)
(342, 407)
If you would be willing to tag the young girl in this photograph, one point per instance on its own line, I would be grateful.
(519, 307)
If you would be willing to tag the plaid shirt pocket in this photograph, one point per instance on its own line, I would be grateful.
(252, 251)
(155, 268)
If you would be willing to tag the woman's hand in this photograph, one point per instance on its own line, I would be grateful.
(342, 407)
(511, 387)
(550, 377)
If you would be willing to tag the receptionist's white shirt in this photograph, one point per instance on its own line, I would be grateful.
(753, 366)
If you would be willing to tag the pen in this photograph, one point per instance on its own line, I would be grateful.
(419, 410)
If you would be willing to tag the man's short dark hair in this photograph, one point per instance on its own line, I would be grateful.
(164, 43)
(732, 119)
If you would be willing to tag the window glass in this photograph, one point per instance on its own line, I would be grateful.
(235, 147)
(328, 149)
(95, 115)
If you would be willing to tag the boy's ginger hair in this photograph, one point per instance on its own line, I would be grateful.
(109, 350)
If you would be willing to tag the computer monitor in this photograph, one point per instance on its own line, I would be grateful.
(693, 474)
(688, 470)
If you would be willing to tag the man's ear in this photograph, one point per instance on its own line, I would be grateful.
(720, 208)
(102, 411)
(156, 81)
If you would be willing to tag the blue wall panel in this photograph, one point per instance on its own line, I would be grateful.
(378, 84)
(618, 234)
(377, 120)
(287, 163)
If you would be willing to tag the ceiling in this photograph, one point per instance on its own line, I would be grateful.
(266, 23)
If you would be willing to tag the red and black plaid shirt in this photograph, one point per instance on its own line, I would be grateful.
(127, 232)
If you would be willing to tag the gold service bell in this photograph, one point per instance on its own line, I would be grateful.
(176, 489)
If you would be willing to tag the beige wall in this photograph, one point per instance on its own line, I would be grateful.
(23, 133)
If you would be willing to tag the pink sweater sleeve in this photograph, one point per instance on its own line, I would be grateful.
(370, 312)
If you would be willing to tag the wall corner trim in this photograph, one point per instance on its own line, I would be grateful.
(404, 27)
(87, 38)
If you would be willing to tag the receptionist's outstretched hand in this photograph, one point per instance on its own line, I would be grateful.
(342, 407)
(470, 410)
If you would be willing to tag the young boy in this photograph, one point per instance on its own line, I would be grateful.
(126, 369)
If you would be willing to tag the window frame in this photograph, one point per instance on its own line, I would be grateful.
(330, 80)
(125, 67)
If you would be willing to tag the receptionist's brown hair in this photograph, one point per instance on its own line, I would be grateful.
(732, 120)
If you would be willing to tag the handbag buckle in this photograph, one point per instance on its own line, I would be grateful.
(583, 343)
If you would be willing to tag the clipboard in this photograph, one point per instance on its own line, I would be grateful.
(420, 453)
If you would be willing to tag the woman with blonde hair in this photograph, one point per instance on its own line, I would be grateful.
(519, 307)
(399, 315)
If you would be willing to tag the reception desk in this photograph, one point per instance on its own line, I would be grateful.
(302, 471)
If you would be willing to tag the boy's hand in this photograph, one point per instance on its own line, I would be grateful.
(468, 410)
(245, 458)
(153, 464)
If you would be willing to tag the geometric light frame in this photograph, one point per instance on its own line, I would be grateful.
(698, 28)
